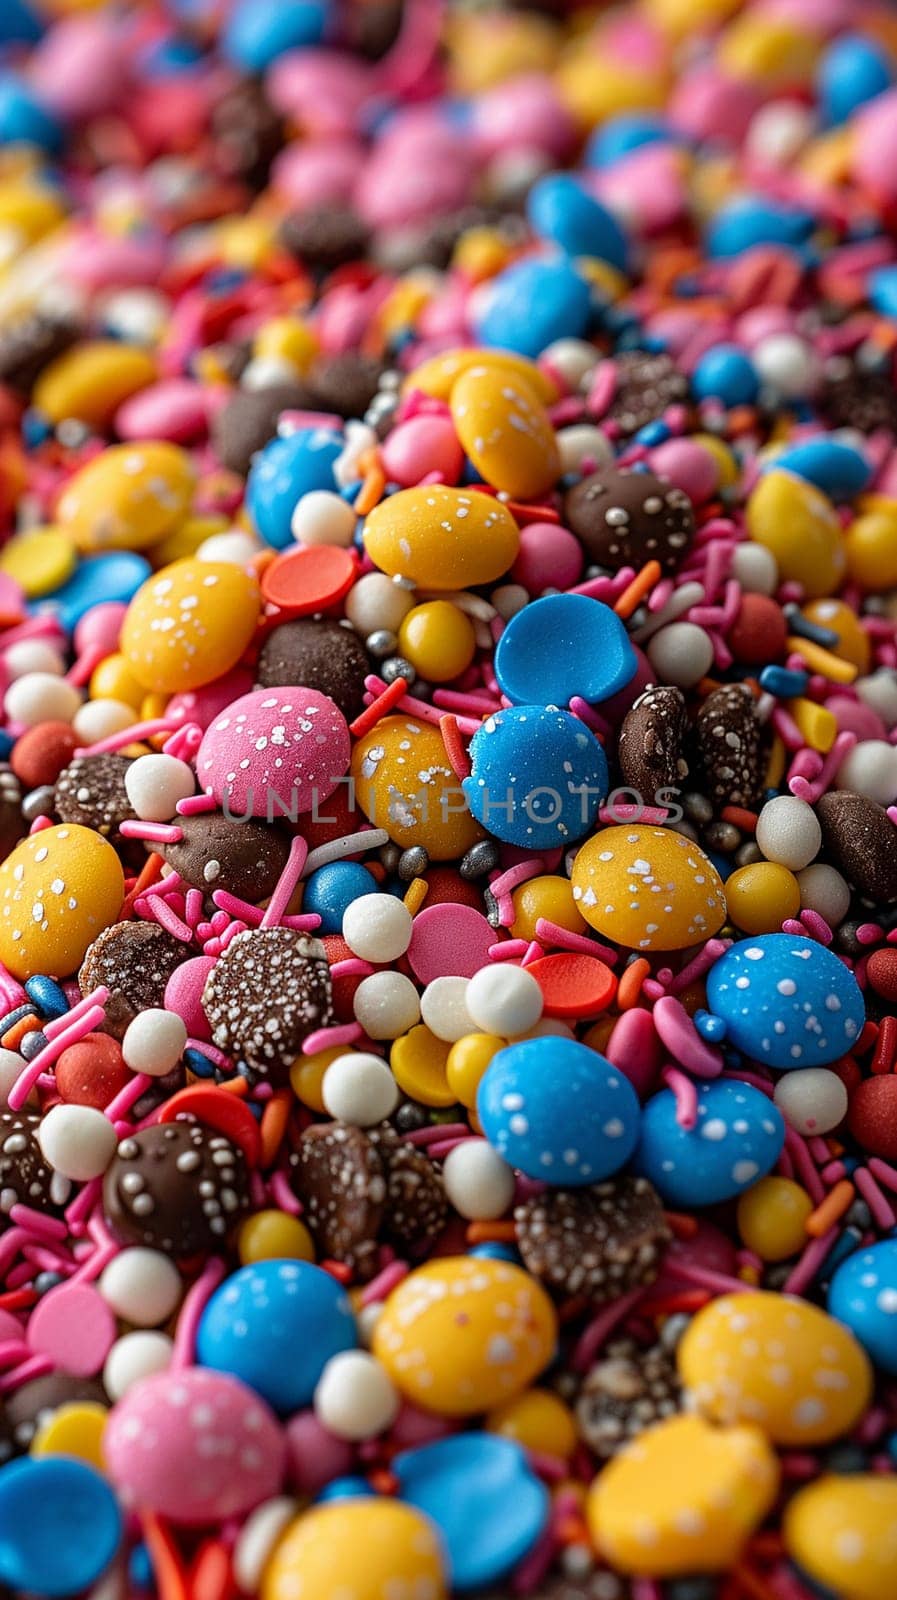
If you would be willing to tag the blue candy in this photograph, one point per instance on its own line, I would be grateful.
(784, 681)
(621, 135)
(259, 31)
(749, 221)
(23, 120)
(115, 576)
(531, 304)
(558, 1111)
(863, 1295)
(538, 777)
(561, 646)
(282, 473)
(852, 72)
(788, 1002)
(484, 1498)
(47, 996)
(560, 210)
(60, 1526)
(725, 373)
(275, 1325)
(883, 290)
(347, 1488)
(839, 470)
(18, 23)
(737, 1139)
(332, 888)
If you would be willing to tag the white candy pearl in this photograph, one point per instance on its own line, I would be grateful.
(33, 655)
(822, 889)
(443, 1006)
(879, 692)
(133, 1357)
(259, 1534)
(812, 1100)
(359, 1089)
(508, 599)
(375, 602)
(571, 359)
(787, 365)
(154, 785)
(478, 1183)
(505, 1000)
(77, 1141)
(99, 719)
(551, 1028)
(355, 1397)
(788, 832)
(322, 517)
(386, 1005)
(10, 1072)
(267, 372)
(234, 545)
(681, 654)
(582, 443)
(377, 927)
(154, 1042)
(141, 1286)
(870, 769)
(756, 568)
(41, 697)
(779, 131)
(138, 316)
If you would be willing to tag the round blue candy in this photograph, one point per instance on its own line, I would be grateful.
(737, 1139)
(531, 304)
(618, 138)
(60, 1526)
(484, 1498)
(561, 646)
(852, 72)
(788, 1002)
(839, 470)
(332, 888)
(115, 576)
(560, 210)
(558, 1111)
(259, 31)
(347, 1488)
(282, 473)
(749, 221)
(275, 1325)
(23, 120)
(883, 290)
(863, 1295)
(726, 374)
(538, 777)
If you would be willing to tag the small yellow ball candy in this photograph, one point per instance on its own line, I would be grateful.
(370, 1549)
(538, 1420)
(778, 1362)
(438, 640)
(460, 1336)
(842, 1532)
(762, 896)
(91, 381)
(75, 1429)
(648, 888)
(773, 52)
(595, 87)
(682, 1498)
(128, 497)
(505, 431)
(418, 1061)
(28, 211)
(286, 339)
(58, 889)
(274, 1236)
(405, 784)
(114, 680)
(189, 624)
(437, 376)
(871, 545)
(480, 253)
(40, 560)
(442, 538)
(853, 641)
(307, 1076)
(547, 896)
(468, 1059)
(680, 17)
(799, 525)
(772, 1218)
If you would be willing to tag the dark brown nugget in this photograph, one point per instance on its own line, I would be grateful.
(338, 1175)
(345, 383)
(30, 344)
(325, 237)
(25, 1177)
(177, 1187)
(646, 385)
(265, 995)
(628, 1390)
(12, 824)
(416, 1206)
(860, 838)
(599, 1242)
(316, 654)
(623, 519)
(249, 420)
(135, 961)
(727, 738)
(219, 852)
(91, 791)
(650, 747)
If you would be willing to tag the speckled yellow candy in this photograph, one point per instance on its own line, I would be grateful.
(682, 1498)
(127, 498)
(842, 1532)
(648, 888)
(58, 890)
(505, 430)
(778, 1362)
(437, 376)
(460, 1336)
(374, 1549)
(442, 538)
(189, 624)
(800, 526)
(405, 784)
(91, 381)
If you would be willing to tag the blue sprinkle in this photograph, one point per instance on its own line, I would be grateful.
(47, 996)
(726, 374)
(655, 433)
(259, 31)
(799, 624)
(853, 71)
(199, 1064)
(748, 221)
(783, 682)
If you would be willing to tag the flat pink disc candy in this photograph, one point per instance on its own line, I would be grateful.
(74, 1326)
(203, 705)
(277, 750)
(195, 1446)
(449, 941)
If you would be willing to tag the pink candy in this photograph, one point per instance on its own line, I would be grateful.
(449, 941)
(292, 744)
(175, 409)
(423, 445)
(183, 995)
(875, 147)
(205, 704)
(550, 557)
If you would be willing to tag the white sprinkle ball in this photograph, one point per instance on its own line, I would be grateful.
(135, 1356)
(257, 1538)
(376, 602)
(812, 1100)
(386, 1004)
(822, 889)
(504, 999)
(359, 1088)
(142, 1286)
(100, 719)
(788, 832)
(32, 655)
(154, 785)
(756, 568)
(154, 1042)
(870, 769)
(77, 1141)
(681, 654)
(787, 365)
(233, 544)
(377, 927)
(443, 1006)
(322, 517)
(41, 697)
(479, 1184)
(580, 443)
(355, 1397)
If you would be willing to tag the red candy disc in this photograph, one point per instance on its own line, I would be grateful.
(216, 1108)
(309, 579)
(573, 985)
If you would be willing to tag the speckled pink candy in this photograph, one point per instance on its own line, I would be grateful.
(194, 1446)
(292, 743)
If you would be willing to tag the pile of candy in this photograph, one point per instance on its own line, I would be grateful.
(448, 868)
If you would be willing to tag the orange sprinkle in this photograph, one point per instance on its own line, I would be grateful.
(169, 1572)
(836, 1202)
(211, 1577)
(492, 1233)
(261, 560)
(273, 1125)
(683, 1226)
(572, 1530)
(415, 895)
(383, 1482)
(381, 707)
(236, 1086)
(371, 492)
(740, 818)
(629, 990)
(707, 686)
(151, 872)
(14, 1035)
(635, 592)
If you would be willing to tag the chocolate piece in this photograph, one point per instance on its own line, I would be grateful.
(219, 852)
(12, 822)
(135, 961)
(650, 747)
(727, 738)
(416, 1207)
(337, 1174)
(33, 1403)
(322, 655)
(249, 420)
(345, 383)
(861, 840)
(177, 1187)
(247, 132)
(324, 237)
(265, 995)
(624, 519)
(628, 1390)
(863, 400)
(29, 345)
(25, 1177)
(646, 385)
(91, 791)
(599, 1242)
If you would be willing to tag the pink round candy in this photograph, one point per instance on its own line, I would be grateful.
(324, 171)
(449, 941)
(320, 90)
(195, 1446)
(707, 105)
(274, 748)
(95, 260)
(688, 465)
(854, 716)
(175, 409)
(550, 557)
(203, 705)
(648, 186)
(100, 628)
(762, 322)
(413, 1427)
(875, 146)
(78, 68)
(525, 111)
(314, 1456)
(183, 995)
(423, 445)
(420, 170)
(74, 1326)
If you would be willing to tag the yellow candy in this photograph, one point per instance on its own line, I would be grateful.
(184, 540)
(418, 1061)
(549, 897)
(40, 560)
(648, 888)
(189, 624)
(762, 896)
(58, 890)
(726, 464)
(682, 1498)
(29, 211)
(438, 640)
(273, 1236)
(842, 1532)
(467, 1061)
(245, 242)
(405, 784)
(817, 724)
(537, 1420)
(287, 339)
(480, 253)
(459, 1335)
(307, 1075)
(369, 1549)
(771, 1218)
(799, 525)
(853, 641)
(442, 538)
(779, 1362)
(593, 86)
(681, 17)
(75, 1429)
(773, 52)
(114, 680)
(128, 497)
(505, 431)
(488, 48)
(871, 544)
(91, 381)
(437, 376)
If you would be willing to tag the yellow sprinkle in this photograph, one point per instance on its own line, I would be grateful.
(416, 894)
(822, 661)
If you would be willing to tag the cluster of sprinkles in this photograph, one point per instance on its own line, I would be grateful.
(448, 793)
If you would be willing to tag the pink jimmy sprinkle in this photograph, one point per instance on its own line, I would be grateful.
(508, 950)
(133, 735)
(677, 1031)
(282, 1194)
(155, 832)
(601, 1327)
(713, 949)
(214, 1054)
(592, 718)
(37, 1367)
(184, 742)
(384, 1283)
(127, 1097)
(329, 1038)
(191, 1311)
(352, 967)
(435, 1134)
(685, 1094)
(35, 1222)
(536, 1565)
(651, 816)
(57, 1025)
(39, 824)
(809, 1262)
(800, 1155)
(196, 804)
(875, 1200)
(552, 933)
(534, 952)
(18, 1094)
(158, 910)
(508, 881)
(286, 883)
(704, 1278)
